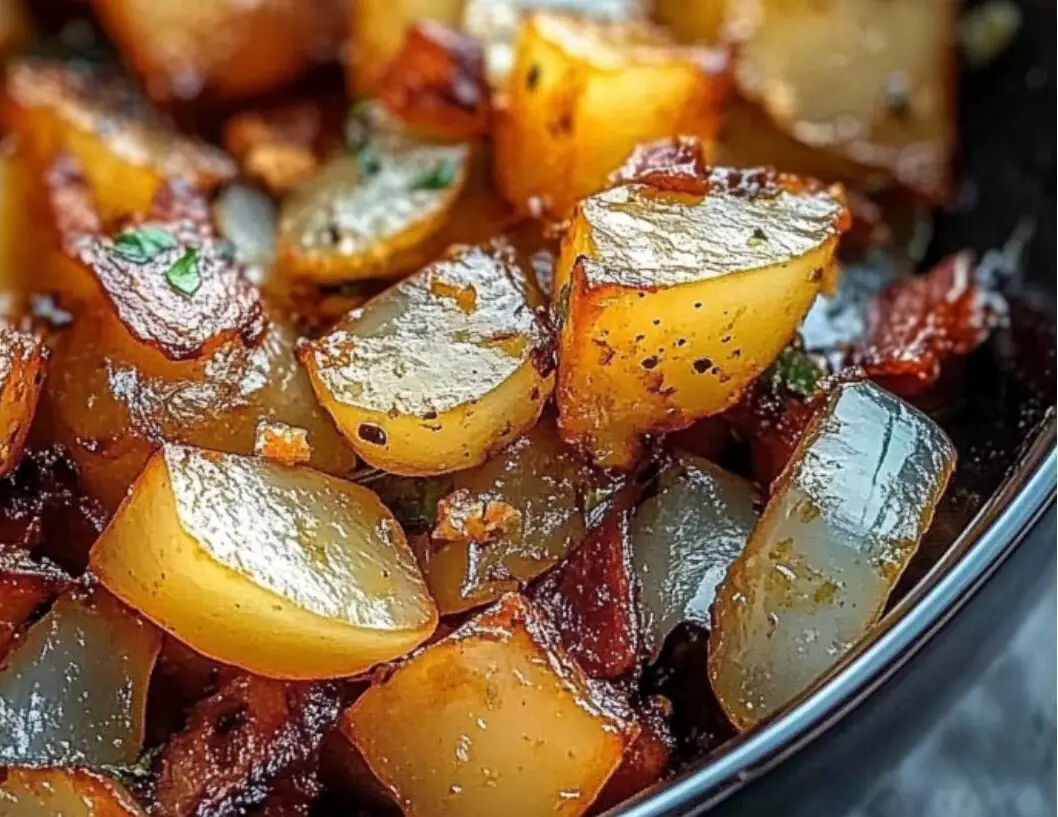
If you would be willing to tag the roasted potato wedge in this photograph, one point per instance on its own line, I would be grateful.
(284, 571)
(440, 371)
(872, 80)
(222, 49)
(836, 535)
(437, 731)
(22, 366)
(672, 303)
(126, 150)
(74, 689)
(584, 93)
(378, 28)
(45, 792)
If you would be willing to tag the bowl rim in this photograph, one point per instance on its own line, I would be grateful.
(1003, 521)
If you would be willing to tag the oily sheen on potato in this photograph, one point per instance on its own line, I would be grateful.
(840, 527)
(441, 370)
(284, 571)
(438, 730)
(672, 303)
(44, 792)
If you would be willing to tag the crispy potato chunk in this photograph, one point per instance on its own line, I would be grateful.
(25, 584)
(126, 150)
(294, 574)
(184, 49)
(509, 520)
(74, 689)
(22, 365)
(872, 80)
(834, 539)
(672, 304)
(364, 210)
(378, 28)
(584, 93)
(69, 792)
(441, 370)
(438, 730)
(282, 443)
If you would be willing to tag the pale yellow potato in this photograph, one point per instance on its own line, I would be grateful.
(46, 792)
(671, 304)
(377, 29)
(283, 571)
(841, 525)
(584, 93)
(693, 21)
(495, 719)
(23, 358)
(873, 80)
(441, 370)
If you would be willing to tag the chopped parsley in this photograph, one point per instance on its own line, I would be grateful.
(438, 177)
(183, 276)
(758, 238)
(796, 372)
(143, 244)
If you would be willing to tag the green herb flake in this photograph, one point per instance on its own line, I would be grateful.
(368, 162)
(796, 372)
(438, 177)
(758, 239)
(143, 244)
(183, 276)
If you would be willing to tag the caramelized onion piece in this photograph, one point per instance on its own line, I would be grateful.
(49, 792)
(22, 365)
(74, 690)
(441, 370)
(25, 584)
(493, 715)
(294, 574)
(672, 304)
(840, 528)
(685, 535)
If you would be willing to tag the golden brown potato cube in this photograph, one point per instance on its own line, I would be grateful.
(377, 30)
(69, 792)
(184, 49)
(283, 571)
(440, 371)
(672, 303)
(24, 585)
(494, 715)
(693, 21)
(125, 149)
(584, 93)
(22, 366)
(872, 80)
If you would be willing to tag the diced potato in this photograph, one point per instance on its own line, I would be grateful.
(873, 80)
(22, 366)
(365, 209)
(282, 443)
(685, 535)
(693, 21)
(441, 370)
(378, 28)
(26, 792)
(509, 520)
(584, 93)
(184, 49)
(74, 689)
(495, 22)
(672, 304)
(125, 149)
(840, 528)
(494, 715)
(283, 571)
(24, 585)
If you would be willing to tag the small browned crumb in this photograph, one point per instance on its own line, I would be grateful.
(281, 442)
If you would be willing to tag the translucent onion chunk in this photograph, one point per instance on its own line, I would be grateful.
(74, 690)
(283, 571)
(843, 522)
(63, 793)
(685, 535)
(495, 719)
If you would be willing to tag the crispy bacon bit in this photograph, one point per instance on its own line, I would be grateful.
(646, 760)
(241, 744)
(24, 585)
(771, 422)
(677, 165)
(281, 442)
(915, 327)
(437, 82)
(590, 598)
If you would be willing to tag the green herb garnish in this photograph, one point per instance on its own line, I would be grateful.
(183, 275)
(368, 162)
(438, 177)
(796, 372)
(758, 239)
(144, 244)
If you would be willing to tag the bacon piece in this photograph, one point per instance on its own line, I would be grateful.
(676, 165)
